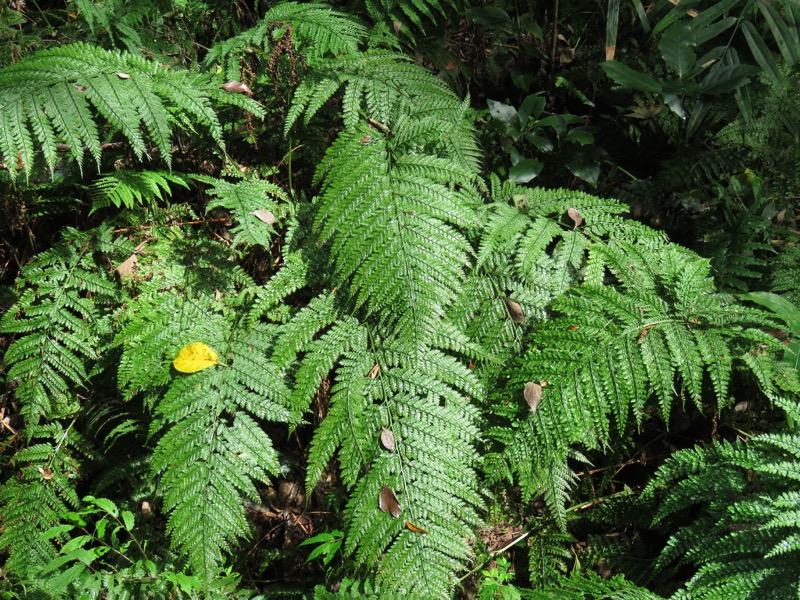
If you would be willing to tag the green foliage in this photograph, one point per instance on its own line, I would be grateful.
(253, 204)
(742, 538)
(129, 188)
(591, 585)
(61, 317)
(49, 97)
(422, 339)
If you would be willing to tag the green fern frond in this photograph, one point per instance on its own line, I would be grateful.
(744, 539)
(581, 585)
(129, 188)
(380, 80)
(60, 318)
(660, 324)
(51, 94)
(420, 396)
(253, 204)
(416, 11)
(315, 29)
(42, 490)
(548, 555)
(212, 447)
(394, 228)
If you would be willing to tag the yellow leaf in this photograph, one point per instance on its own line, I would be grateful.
(194, 357)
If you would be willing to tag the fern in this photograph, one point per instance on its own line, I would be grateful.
(660, 323)
(49, 97)
(210, 447)
(314, 30)
(253, 204)
(415, 11)
(60, 317)
(592, 585)
(61, 323)
(129, 188)
(744, 540)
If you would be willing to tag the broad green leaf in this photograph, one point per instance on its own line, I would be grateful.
(780, 305)
(676, 49)
(542, 143)
(725, 78)
(629, 78)
(505, 116)
(761, 53)
(713, 12)
(585, 165)
(786, 44)
(488, 15)
(612, 24)
(701, 36)
(642, 14)
(525, 170)
(532, 105)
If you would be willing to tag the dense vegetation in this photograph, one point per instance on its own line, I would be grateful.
(401, 298)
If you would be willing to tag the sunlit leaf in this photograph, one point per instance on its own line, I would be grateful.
(195, 357)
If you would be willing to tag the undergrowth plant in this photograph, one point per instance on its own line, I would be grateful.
(437, 333)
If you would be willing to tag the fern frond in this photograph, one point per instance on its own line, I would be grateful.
(416, 11)
(60, 317)
(129, 188)
(548, 555)
(743, 540)
(52, 94)
(315, 29)
(581, 585)
(659, 330)
(380, 80)
(247, 200)
(212, 448)
(394, 229)
(43, 490)
(420, 394)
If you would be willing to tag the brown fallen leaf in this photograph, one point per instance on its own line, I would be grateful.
(127, 267)
(533, 395)
(387, 502)
(414, 528)
(235, 87)
(265, 216)
(387, 439)
(515, 310)
(373, 372)
(576, 216)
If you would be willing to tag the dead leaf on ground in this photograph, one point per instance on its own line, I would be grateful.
(127, 267)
